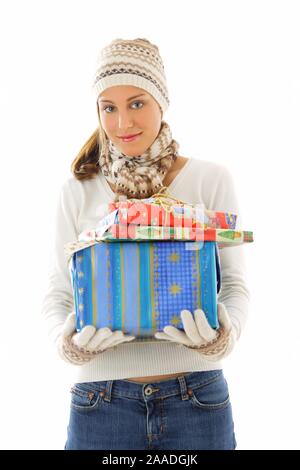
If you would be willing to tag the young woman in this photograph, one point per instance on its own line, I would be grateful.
(168, 392)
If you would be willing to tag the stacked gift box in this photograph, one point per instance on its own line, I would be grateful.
(146, 260)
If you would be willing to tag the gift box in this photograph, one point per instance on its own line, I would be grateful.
(136, 232)
(140, 287)
(112, 231)
(135, 277)
(164, 210)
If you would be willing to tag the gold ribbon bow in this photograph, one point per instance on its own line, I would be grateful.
(165, 200)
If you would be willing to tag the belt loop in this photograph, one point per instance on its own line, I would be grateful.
(183, 387)
(107, 393)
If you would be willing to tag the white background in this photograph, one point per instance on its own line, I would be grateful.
(234, 83)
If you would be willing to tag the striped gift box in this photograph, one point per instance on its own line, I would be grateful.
(140, 287)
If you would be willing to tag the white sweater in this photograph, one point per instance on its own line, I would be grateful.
(199, 181)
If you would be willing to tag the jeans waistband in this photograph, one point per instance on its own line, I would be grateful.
(153, 390)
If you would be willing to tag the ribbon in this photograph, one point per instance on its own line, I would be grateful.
(165, 200)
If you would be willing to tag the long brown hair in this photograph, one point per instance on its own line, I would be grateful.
(86, 164)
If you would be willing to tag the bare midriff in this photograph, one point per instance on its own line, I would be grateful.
(155, 378)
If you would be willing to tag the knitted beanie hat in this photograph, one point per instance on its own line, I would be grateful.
(135, 62)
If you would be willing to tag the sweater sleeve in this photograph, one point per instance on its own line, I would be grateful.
(234, 293)
(58, 300)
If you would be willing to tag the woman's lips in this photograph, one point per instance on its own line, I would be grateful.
(130, 139)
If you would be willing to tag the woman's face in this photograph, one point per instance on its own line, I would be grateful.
(123, 113)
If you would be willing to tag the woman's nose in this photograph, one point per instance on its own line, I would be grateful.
(125, 121)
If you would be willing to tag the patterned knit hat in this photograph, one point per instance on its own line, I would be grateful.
(134, 62)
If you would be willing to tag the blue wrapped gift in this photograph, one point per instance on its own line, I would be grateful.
(140, 287)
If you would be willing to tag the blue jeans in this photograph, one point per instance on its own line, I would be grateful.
(192, 411)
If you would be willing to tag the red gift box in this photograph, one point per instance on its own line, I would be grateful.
(141, 213)
(188, 216)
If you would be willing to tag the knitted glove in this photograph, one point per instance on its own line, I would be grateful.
(212, 344)
(79, 348)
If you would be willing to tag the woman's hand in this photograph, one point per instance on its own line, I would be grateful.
(198, 335)
(79, 348)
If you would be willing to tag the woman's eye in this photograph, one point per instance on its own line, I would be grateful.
(113, 106)
(137, 102)
(107, 107)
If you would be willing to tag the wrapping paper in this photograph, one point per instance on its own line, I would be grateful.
(140, 287)
(224, 237)
(173, 215)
